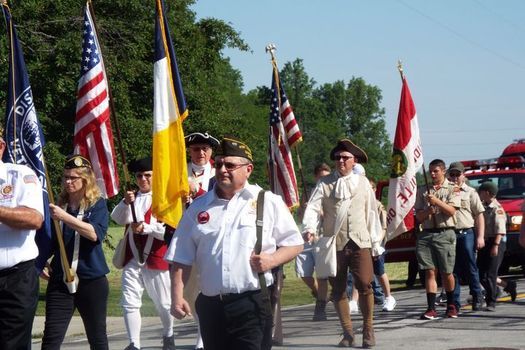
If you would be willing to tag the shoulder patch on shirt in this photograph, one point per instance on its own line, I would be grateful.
(30, 179)
(6, 190)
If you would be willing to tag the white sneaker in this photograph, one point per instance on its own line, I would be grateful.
(354, 309)
(389, 304)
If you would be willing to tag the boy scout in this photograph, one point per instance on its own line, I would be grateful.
(436, 244)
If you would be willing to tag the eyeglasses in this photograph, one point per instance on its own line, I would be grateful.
(229, 166)
(344, 158)
(71, 178)
(140, 176)
(199, 149)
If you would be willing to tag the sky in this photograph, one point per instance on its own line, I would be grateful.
(464, 60)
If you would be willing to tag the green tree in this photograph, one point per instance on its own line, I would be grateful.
(50, 33)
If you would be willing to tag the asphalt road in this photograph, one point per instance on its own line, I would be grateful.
(399, 329)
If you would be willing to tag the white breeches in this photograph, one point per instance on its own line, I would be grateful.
(157, 284)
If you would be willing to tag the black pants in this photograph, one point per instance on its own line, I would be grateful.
(18, 299)
(488, 269)
(232, 324)
(90, 300)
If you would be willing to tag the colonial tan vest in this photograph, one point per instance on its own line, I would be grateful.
(354, 226)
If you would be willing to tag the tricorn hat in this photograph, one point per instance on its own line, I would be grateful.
(140, 165)
(230, 146)
(76, 161)
(200, 138)
(349, 146)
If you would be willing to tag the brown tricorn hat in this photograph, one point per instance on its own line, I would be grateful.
(349, 146)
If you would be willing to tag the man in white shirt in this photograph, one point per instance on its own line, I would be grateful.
(21, 214)
(217, 235)
(144, 266)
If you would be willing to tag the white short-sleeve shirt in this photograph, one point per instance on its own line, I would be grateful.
(217, 236)
(19, 187)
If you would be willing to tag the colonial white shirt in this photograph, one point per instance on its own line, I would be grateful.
(122, 215)
(19, 187)
(217, 236)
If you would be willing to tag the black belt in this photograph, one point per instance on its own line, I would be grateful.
(462, 231)
(231, 297)
(18, 267)
(439, 229)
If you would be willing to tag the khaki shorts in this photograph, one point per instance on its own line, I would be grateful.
(436, 250)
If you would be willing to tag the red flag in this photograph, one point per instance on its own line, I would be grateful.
(407, 159)
(93, 135)
(284, 133)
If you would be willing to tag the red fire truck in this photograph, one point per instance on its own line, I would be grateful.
(508, 172)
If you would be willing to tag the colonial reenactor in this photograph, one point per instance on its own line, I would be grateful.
(144, 267)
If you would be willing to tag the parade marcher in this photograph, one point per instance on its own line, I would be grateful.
(201, 178)
(84, 217)
(389, 302)
(217, 235)
(201, 173)
(144, 265)
(436, 244)
(21, 213)
(490, 256)
(349, 212)
(305, 262)
(470, 232)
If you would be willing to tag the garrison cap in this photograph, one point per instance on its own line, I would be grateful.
(349, 146)
(76, 161)
(200, 138)
(231, 146)
(489, 186)
(140, 165)
(458, 166)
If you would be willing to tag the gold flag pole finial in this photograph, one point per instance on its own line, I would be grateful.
(400, 69)
(271, 49)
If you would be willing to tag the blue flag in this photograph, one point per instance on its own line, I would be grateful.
(23, 134)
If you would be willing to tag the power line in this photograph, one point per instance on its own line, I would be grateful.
(461, 36)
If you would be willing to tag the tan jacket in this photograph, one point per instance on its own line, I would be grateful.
(354, 217)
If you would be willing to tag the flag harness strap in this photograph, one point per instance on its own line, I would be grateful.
(258, 248)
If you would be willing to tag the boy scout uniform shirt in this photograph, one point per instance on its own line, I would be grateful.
(471, 207)
(447, 193)
(495, 219)
(217, 236)
(19, 187)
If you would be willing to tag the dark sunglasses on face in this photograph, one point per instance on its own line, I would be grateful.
(454, 174)
(229, 166)
(71, 178)
(344, 158)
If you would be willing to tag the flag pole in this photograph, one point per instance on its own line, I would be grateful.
(13, 87)
(427, 186)
(114, 118)
(271, 49)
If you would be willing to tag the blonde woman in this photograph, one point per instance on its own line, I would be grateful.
(83, 216)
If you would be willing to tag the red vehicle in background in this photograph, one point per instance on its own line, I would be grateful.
(508, 172)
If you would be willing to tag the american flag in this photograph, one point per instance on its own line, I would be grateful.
(93, 135)
(284, 133)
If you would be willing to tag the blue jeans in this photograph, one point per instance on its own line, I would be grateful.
(465, 265)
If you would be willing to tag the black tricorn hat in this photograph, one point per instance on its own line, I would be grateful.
(349, 146)
(200, 138)
(76, 161)
(230, 146)
(140, 165)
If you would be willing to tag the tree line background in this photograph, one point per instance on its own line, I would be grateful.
(50, 32)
